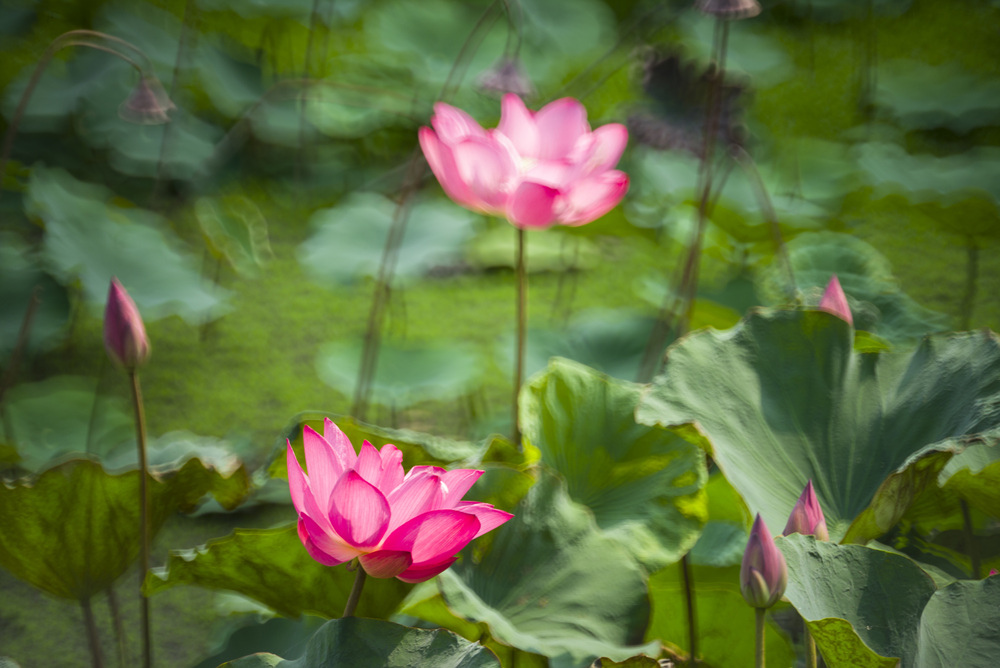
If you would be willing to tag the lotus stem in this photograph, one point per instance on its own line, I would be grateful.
(175, 75)
(970, 539)
(810, 649)
(522, 317)
(352, 600)
(689, 606)
(144, 531)
(116, 617)
(19, 346)
(759, 637)
(97, 661)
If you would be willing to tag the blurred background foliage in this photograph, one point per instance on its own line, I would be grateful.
(251, 228)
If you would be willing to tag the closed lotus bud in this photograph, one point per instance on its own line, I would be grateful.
(835, 301)
(763, 574)
(124, 333)
(729, 9)
(807, 516)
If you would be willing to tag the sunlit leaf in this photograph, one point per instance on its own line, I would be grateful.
(783, 398)
(643, 484)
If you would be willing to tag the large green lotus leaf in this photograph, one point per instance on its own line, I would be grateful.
(89, 239)
(236, 230)
(725, 621)
(927, 178)
(783, 398)
(932, 96)
(19, 278)
(877, 302)
(869, 607)
(549, 582)
(724, 537)
(81, 426)
(403, 376)
(75, 528)
(644, 484)
(544, 250)
(349, 239)
(351, 642)
(974, 475)
(271, 566)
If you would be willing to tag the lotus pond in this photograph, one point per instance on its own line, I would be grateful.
(739, 261)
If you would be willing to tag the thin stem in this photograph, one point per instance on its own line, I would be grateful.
(140, 432)
(971, 280)
(810, 649)
(689, 603)
(168, 129)
(116, 617)
(970, 539)
(352, 600)
(19, 346)
(92, 638)
(522, 318)
(759, 637)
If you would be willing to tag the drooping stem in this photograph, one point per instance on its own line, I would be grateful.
(689, 606)
(971, 280)
(15, 356)
(97, 661)
(144, 532)
(970, 539)
(116, 618)
(355, 596)
(522, 318)
(810, 649)
(759, 637)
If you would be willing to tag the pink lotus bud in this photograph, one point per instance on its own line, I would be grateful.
(361, 505)
(993, 572)
(835, 301)
(763, 574)
(807, 516)
(536, 168)
(124, 333)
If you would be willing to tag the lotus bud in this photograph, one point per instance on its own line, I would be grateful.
(124, 333)
(835, 301)
(807, 516)
(147, 104)
(729, 9)
(507, 76)
(763, 574)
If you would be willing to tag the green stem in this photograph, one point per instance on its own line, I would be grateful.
(689, 604)
(970, 540)
(116, 617)
(93, 640)
(15, 356)
(522, 317)
(759, 637)
(352, 600)
(810, 649)
(140, 432)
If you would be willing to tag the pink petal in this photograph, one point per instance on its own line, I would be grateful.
(359, 513)
(326, 541)
(425, 572)
(297, 485)
(592, 197)
(434, 536)
(601, 149)
(369, 464)
(457, 483)
(324, 467)
(518, 125)
(553, 173)
(314, 551)
(340, 444)
(386, 563)
(560, 125)
(392, 469)
(417, 495)
(532, 205)
(442, 163)
(835, 301)
(486, 168)
(454, 125)
(489, 517)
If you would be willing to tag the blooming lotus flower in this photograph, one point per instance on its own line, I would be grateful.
(361, 505)
(835, 301)
(763, 573)
(807, 516)
(535, 168)
(124, 333)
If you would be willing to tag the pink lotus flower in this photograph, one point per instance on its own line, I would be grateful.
(362, 506)
(763, 573)
(807, 516)
(536, 169)
(835, 301)
(124, 333)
